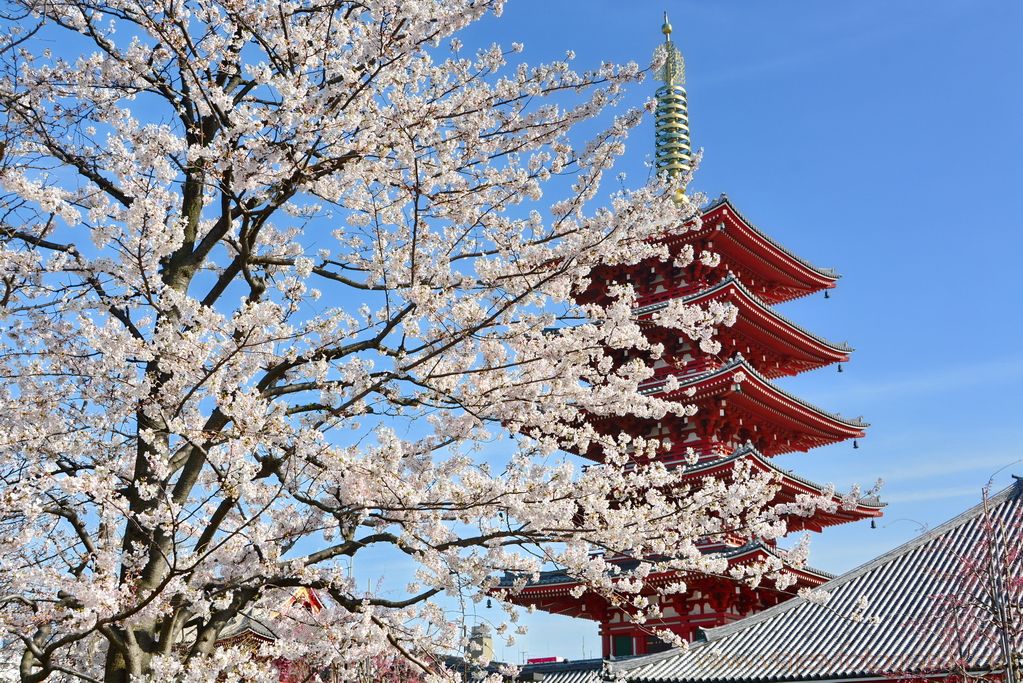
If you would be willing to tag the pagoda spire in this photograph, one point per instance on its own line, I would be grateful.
(673, 151)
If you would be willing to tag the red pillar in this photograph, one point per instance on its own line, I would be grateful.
(639, 641)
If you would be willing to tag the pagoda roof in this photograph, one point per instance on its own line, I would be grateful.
(761, 391)
(734, 284)
(794, 276)
(756, 312)
(723, 200)
(740, 363)
(792, 484)
(908, 628)
(560, 579)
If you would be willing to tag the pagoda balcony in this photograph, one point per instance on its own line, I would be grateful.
(654, 281)
(684, 367)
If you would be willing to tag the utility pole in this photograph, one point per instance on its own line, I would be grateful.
(996, 562)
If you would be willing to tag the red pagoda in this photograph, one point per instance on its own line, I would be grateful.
(742, 415)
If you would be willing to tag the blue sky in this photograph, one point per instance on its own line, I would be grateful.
(881, 137)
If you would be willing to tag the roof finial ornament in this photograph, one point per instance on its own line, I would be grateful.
(673, 151)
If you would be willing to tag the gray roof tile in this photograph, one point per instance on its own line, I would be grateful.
(243, 623)
(917, 630)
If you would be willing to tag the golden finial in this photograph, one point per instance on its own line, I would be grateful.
(674, 68)
(673, 153)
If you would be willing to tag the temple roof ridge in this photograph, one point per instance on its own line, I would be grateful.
(731, 279)
(800, 640)
(723, 200)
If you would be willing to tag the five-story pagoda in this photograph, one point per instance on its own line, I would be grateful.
(742, 415)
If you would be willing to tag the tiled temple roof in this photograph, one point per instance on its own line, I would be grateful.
(581, 671)
(914, 633)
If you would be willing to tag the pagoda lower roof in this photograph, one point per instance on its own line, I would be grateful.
(759, 322)
(559, 581)
(743, 245)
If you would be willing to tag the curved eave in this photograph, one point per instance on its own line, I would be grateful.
(756, 385)
(757, 246)
(792, 484)
(829, 275)
(760, 314)
(557, 583)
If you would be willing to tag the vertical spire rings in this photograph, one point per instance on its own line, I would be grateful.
(671, 118)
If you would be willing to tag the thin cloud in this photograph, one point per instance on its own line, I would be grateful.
(837, 37)
(934, 494)
(958, 463)
(993, 372)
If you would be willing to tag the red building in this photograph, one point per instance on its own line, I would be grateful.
(742, 416)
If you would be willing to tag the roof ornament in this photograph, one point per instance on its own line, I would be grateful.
(671, 118)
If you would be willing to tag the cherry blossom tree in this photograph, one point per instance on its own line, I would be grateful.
(979, 609)
(287, 283)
